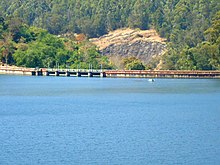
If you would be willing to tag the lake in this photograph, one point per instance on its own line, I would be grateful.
(105, 121)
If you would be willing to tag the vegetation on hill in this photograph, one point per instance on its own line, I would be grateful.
(191, 27)
(34, 47)
(205, 55)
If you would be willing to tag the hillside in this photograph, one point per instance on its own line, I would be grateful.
(143, 44)
(191, 27)
(33, 47)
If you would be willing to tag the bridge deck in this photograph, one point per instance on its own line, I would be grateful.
(111, 73)
(163, 73)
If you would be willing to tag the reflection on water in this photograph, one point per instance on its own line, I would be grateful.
(60, 120)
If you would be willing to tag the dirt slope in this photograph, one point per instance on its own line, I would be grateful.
(144, 44)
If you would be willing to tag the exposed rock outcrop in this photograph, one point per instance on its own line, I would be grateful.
(143, 44)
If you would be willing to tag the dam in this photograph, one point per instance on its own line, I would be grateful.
(110, 73)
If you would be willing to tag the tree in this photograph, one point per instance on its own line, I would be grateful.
(139, 16)
(6, 48)
(132, 63)
(213, 33)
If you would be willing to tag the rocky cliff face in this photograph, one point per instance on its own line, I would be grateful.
(143, 44)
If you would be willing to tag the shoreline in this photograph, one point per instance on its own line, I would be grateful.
(198, 74)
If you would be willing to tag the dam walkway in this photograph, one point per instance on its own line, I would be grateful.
(110, 73)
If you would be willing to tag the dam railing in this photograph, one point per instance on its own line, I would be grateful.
(110, 73)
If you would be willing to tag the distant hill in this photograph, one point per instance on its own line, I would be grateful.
(189, 26)
(98, 17)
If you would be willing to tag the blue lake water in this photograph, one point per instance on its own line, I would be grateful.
(103, 121)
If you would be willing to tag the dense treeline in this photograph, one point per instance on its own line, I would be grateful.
(94, 18)
(205, 55)
(187, 24)
(34, 47)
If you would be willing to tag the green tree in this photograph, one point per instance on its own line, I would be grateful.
(6, 48)
(139, 15)
(132, 63)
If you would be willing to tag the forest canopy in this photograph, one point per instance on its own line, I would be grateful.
(35, 47)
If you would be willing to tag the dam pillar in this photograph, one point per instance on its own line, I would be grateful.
(67, 73)
(57, 73)
(90, 74)
(39, 73)
(102, 74)
(78, 74)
